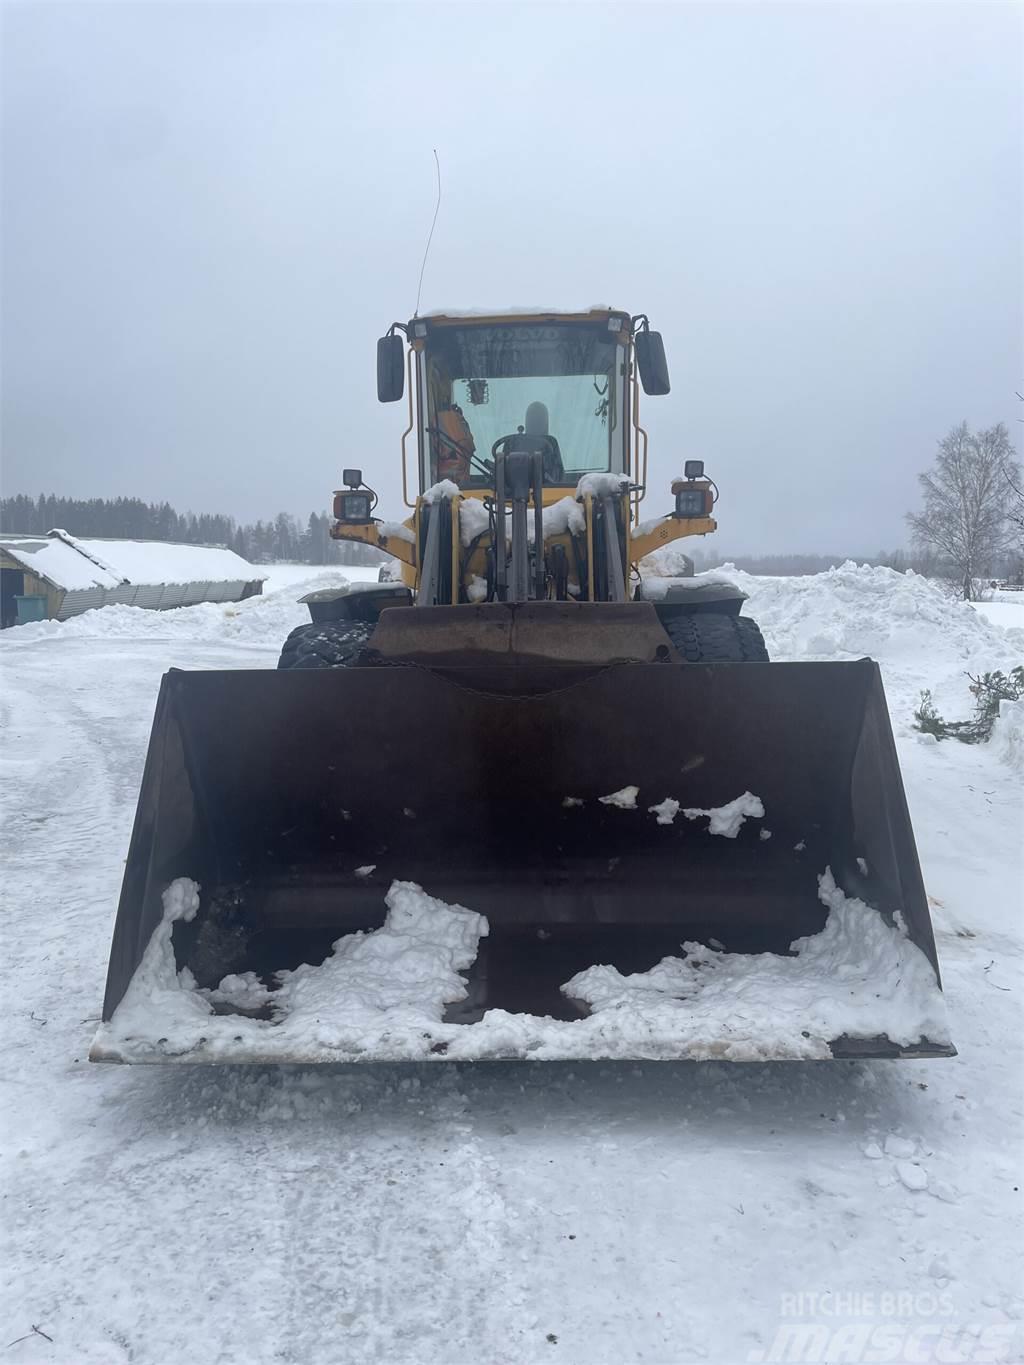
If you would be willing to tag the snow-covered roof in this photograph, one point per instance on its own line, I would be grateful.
(57, 562)
(76, 563)
(156, 561)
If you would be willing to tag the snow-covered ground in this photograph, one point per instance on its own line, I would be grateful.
(513, 1212)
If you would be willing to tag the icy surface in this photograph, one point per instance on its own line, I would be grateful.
(434, 1215)
(728, 820)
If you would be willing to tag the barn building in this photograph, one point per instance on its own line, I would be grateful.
(56, 576)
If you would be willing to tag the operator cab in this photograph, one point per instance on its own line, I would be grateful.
(548, 385)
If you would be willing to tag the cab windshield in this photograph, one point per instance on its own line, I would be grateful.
(555, 380)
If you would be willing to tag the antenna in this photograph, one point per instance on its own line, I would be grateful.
(430, 238)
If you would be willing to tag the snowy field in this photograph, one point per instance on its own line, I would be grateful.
(445, 1214)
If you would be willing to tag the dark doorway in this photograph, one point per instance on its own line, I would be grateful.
(12, 584)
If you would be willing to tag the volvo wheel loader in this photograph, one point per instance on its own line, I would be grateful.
(522, 724)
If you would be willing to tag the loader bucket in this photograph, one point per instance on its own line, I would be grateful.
(296, 799)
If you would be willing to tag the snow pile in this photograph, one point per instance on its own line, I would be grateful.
(1007, 740)
(474, 520)
(859, 977)
(727, 820)
(565, 515)
(380, 996)
(855, 611)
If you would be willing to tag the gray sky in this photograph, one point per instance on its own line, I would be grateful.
(212, 211)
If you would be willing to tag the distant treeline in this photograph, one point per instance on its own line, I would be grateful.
(283, 538)
(785, 566)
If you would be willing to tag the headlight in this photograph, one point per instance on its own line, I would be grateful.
(352, 508)
(691, 502)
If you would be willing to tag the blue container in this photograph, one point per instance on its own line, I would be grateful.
(31, 607)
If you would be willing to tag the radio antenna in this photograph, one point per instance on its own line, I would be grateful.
(430, 237)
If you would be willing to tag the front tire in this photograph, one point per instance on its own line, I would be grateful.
(327, 644)
(714, 638)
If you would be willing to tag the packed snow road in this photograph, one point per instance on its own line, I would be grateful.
(508, 1212)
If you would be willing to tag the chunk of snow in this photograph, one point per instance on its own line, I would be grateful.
(624, 798)
(666, 810)
(727, 820)
(474, 520)
(1007, 740)
(570, 801)
(764, 835)
(873, 1152)
(477, 588)
(799, 848)
(601, 485)
(863, 867)
(913, 1176)
(395, 530)
(644, 528)
(565, 515)
(366, 870)
(444, 489)
(244, 991)
(898, 1146)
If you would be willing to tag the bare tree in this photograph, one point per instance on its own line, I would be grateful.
(966, 514)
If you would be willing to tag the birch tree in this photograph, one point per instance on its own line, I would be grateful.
(966, 512)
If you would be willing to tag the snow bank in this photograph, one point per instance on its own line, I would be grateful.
(852, 611)
(380, 996)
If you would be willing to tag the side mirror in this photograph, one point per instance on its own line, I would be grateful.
(391, 368)
(651, 362)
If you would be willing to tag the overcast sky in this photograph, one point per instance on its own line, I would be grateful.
(212, 211)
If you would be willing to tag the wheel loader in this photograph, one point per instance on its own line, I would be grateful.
(524, 725)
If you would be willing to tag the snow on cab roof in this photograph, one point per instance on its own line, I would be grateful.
(75, 563)
(597, 310)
